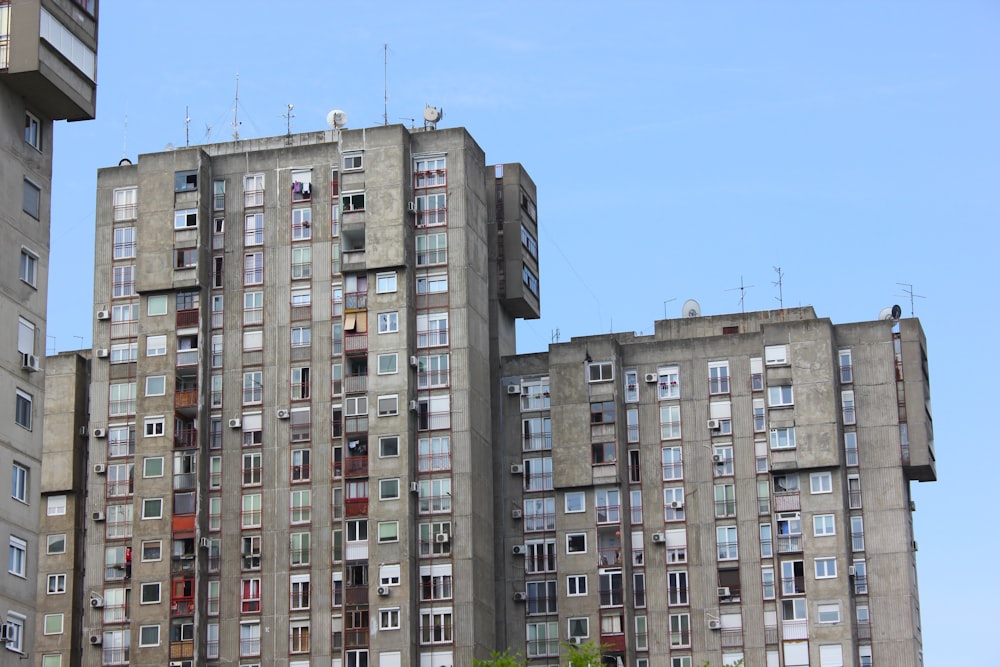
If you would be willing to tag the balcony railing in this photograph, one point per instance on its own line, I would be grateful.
(186, 438)
(187, 318)
(732, 637)
(355, 301)
(770, 634)
(789, 543)
(609, 556)
(356, 342)
(355, 384)
(787, 502)
(356, 466)
(186, 398)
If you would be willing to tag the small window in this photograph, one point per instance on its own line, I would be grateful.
(576, 501)
(823, 525)
(150, 593)
(387, 363)
(576, 543)
(352, 201)
(56, 505)
(28, 271)
(388, 446)
(152, 508)
(55, 584)
(185, 258)
(780, 396)
(826, 568)
(32, 199)
(153, 427)
(353, 161)
(186, 218)
(149, 635)
(156, 345)
(52, 624)
(388, 531)
(388, 322)
(388, 405)
(22, 409)
(186, 180)
(19, 483)
(17, 557)
(152, 466)
(32, 130)
(829, 613)
(601, 372)
(388, 489)
(156, 305)
(776, 355)
(55, 544)
(821, 482)
(151, 550)
(385, 283)
(156, 385)
(576, 585)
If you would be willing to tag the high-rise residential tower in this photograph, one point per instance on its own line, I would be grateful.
(48, 60)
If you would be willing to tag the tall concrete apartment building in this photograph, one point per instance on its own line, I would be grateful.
(48, 59)
(290, 437)
(311, 441)
(730, 487)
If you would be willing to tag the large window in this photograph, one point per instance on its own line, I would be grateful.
(22, 409)
(432, 249)
(728, 548)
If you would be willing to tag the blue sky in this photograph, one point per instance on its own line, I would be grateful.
(679, 148)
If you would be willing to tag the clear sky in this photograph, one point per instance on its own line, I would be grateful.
(679, 148)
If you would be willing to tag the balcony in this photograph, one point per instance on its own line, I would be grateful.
(187, 357)
(789, 543)
(356, 424)
(732, 637)
(186, 438)
(864, 630)
(356, 466)
(356, 343)
(355, 301)
(787, 502)
(609, 556)
(187, 318)
(356, 384)
(356, 507)
(770, 634)
(186, 398)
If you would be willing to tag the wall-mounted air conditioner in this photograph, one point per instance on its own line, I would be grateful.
(516, 514)
(676, 504)
(718, 458)
(442, 538)
(519, 550)
(713, 424)
(283, 414)
(103, 315)
(411, 207)
(29, 362)
(714, 624)
(513, 390)
(659, 538)
(100, 468)
(235, 423)
(95, 640)
(520, 596)
(382, 591)
(99, 433)
(650, 377)
(97, 516)
(97, 602)
(517, 469)
(723, 591)
(101, 353)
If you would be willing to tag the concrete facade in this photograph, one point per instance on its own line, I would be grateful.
(290, 446)
(730, 487)
(47, 73)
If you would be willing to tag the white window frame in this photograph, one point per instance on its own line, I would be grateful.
(825, 568)
(28, 268)
(570, 537)
(780, 396)
(17, 557)
(824, 525)
(19, 482)
(576, 585)
(388, 405)
(388, 322)
(600, 371)
(385, 283)
(570, 504)
(776, 355)
(820, 482)
(148, 507)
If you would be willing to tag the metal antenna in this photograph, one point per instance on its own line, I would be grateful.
(555, 335)
(908, 291)
(743, 293)
(187, 126)
(288, 121)
(385, 84)
(777, 283)
(665, 306)
(125, 134)
(236, 110)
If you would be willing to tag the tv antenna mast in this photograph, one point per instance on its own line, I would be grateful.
(187, 126)
(908, 291)
(236, 110)
(385, 84)
(288, 116)
(777, 283)
(743, 293)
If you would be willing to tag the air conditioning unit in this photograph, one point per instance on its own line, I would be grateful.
(575, 641)
(713, 424)
(414, 487)
(412, 406)
(718, 458)
(101, 353)
(513, 390)
(100, 468)
(723, 592)
(676, 504)
(413, 361)
(714, 624)
(519, 550)
(658, 538)
(383, 591)
(516, 514)
(103, 315)
(204, 542)
(99, 432)
(283, 414)
(851, 571)
(442, 538)
(520, 597)
(517, 469)
(235, 423)
(411, 207)
(95, 640)
(29, 362)
(97, 516)
(650, 377)
(97, 602)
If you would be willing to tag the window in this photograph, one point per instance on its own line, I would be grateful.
(253, 268)
(828, 613)
(28, 271)
(435, 626)
(354, 160)
(388, 489)
(32, 199)
(535, 394)
(432, 330)
(529, 279)
(857, 533)
(388, 619)
(432, 210)
(846, 367)
(388, 445)
(55, 544)
(434, 453)
(602, 371)
(432, 371)
(300, 388)
(575, 501)
(576, 585)
(19, 483)
(385, 283)
(156, 305)
(22, 409)
(156, 385)
(603, 453)
(429, 172)
(854, 492)
(185, 180)
(725, 500)
(299, 591)
(185, 258)
(851, 448)
(780, 396)
(301, 262)
(718, 377)
(15, 632)
(728, 549)
(820, 482)
(388, 405)
(677, 588)
(792, 578)
(432, 249)
(253, 387)
(776, 355)
(251, 515)
(673, 465)
(670, 422)
(388, 322)
(186, 218)
(576, 543)
(56, 505)
(388, 531)
(538, 474)
(722, 460)
(250, 637)
(668, 383)
(150, 593)
(823, 525)
(432, 283)
(301, 336)
(847, 406)
(253, 190)
(301, 224)
(152, 508)
(352, 201)
(153, 427)
(783, 438)
(767, 582)
(542, 639)
(123, 353)
(52, 624)
(301, 506)
(680, 630)
(434, 496)
(673, 503)
(32, 127)
(17, 557)
(253, 229)
(529, 242)
(55, 584)
(578, 628)
(826, 568)
(149, 635)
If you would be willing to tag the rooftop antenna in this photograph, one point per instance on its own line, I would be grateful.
(555, 335)
(777, 283)
(125, 134)
(81, 341)
(743, 294)
(665, 306)
(187, 126)
(236, 110)
(288, 121)
(208, 133)
(385, 84)
(431, 116)
(908, 291)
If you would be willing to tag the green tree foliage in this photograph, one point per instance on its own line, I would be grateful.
(505, 659)
(584, 655)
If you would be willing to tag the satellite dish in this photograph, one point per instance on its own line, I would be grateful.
(432, 114)
(885, 314)
(336, 119)
(896, 312)
(691, 309)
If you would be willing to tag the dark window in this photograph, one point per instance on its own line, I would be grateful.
(32, 199)
(185, 180)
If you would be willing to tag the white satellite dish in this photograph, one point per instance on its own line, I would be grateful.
(432, 114)
(691, 308)
(336, 119)
(890, 313)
